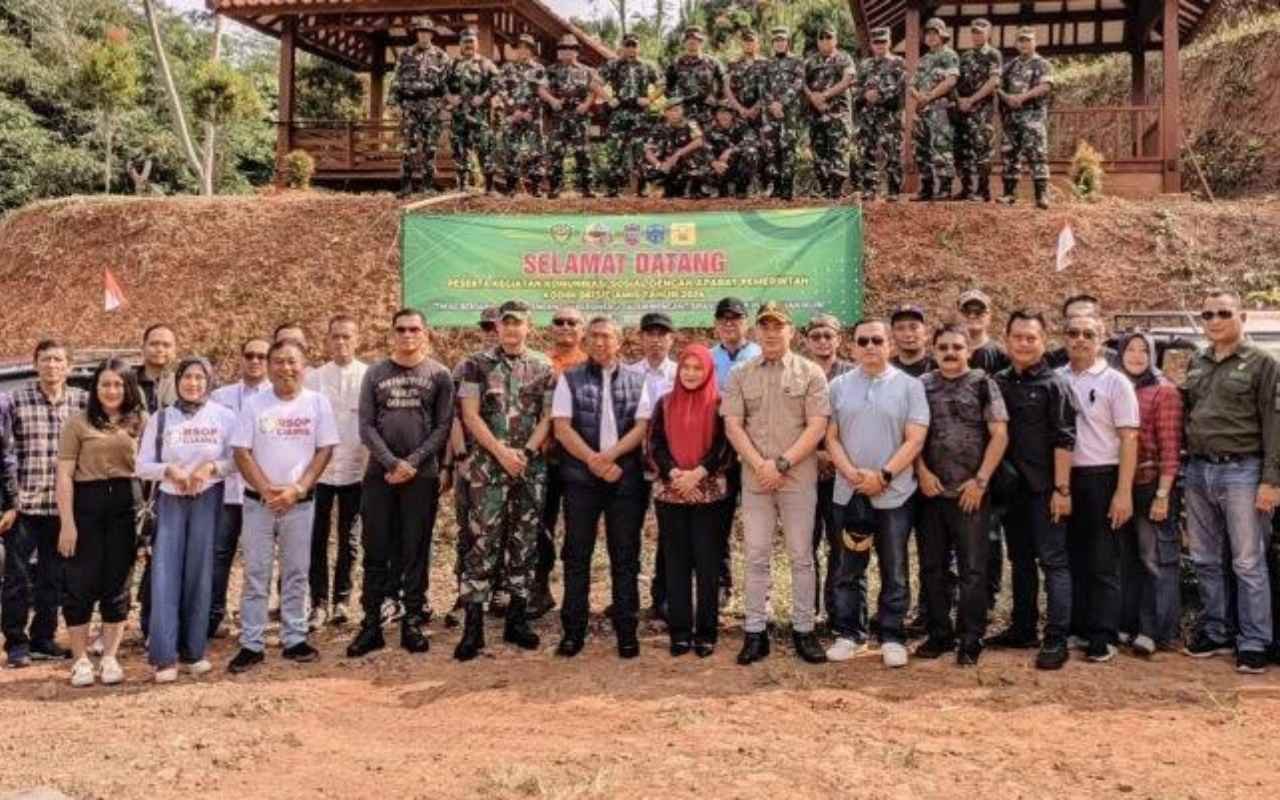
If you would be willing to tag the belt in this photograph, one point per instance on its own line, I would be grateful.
(306, 498)
(1099, 469)
(1225, 458)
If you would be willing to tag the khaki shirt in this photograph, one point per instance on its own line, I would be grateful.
(775, 400)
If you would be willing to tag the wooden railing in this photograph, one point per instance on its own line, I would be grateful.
(358, 148)
(1128, 137)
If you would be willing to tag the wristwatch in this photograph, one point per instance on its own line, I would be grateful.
(529, 452)
(1065, 491)
(886, 476)
(1162, 494)
(782, 464)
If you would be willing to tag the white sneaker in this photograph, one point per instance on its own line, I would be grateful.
(1124, 638)
(200, 667)
(1077, 643)
(111, 672)
(893, 654)
(82, 673)
(167, 675)
(1144, 645)
(844, 649)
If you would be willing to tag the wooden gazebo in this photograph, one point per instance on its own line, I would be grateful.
(1141, 142)
(367, 36)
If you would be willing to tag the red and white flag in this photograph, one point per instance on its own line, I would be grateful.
(112, 295)
(1066, 243)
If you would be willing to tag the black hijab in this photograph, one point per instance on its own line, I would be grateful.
(1151, 375)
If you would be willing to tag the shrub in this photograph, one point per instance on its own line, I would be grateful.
(1086, 172)
(298, 169)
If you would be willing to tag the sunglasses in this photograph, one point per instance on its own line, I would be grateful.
(488, 327)
(409, 329)
(1222, 313)
(566, 322)
(949, 348)
(867, 341)
(818, 337)
(254, 356)
(1078, 333)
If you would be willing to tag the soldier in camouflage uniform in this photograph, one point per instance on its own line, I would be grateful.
(472, 84)
(696, 78)
(1024, 90)
(418, 88)
(783, 95)
(828, 74)
(878, 93)
(570, 89)
(506, 408)
(733, 150)
(675, 155)
(973, 117)
(522, 153)
(627, 80)
(744, 89)
(933, 91)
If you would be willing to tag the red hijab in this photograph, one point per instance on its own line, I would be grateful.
(690, 415)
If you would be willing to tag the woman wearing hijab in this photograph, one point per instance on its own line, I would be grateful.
(96, 510)
(692, 455)
(186, 448)
(1151, 547)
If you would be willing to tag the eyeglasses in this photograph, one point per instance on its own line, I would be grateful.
(488, 327)
(867, 341)
(1077, 333)
(254, 356)
(819, 336)
(949, 348)
(409, 329)
(566, 322)
(1222, 313)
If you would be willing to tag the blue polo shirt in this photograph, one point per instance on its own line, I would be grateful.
(872, 415)
(726, 362)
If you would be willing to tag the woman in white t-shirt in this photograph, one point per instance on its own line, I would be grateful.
(187, 448)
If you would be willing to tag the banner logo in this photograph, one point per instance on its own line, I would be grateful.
(684, 234)
(562, 233)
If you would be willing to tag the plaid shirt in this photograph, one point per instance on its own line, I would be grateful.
(8, 461)
(34, 428)
(1160, 434)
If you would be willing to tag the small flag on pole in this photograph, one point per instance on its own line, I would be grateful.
(112, 296)
(1066, 243)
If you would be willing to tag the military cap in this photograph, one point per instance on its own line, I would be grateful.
(772, 309)
(937, 26)
(490, 316)
(657, 319)
(824, 320)
(516, 309)
(527, 38)
(974, 296)
(567, 42)
(730, 307)
(780, 32)
(748, 34)
(630, 40)
(694, 32)
(674, 101)
(468, 35)
(905, 311)
(422, 23)
(980, 24)
(881, 35)
(1027, 32)
(827, 30)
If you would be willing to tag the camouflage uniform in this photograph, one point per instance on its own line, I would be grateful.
(780, 137)
(1026, 129)
(975, 128)
(746, 79)
(472, 79)
(629, 80)
(523, 154)
(567, 133)
(879, 130)
(829, 130)
(742, 144)
(932, 134)
(699, 82)
(505, 512)
(418, 88)
(687, 175)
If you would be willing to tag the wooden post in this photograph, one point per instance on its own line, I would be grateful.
(484, 36)
(1137, 94)
(1171, 101)
(377, 90)
(284, 126)
(911, 53)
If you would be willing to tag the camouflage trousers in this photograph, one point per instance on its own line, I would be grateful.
(1025, 138)
(624, 148)
(504, 521)
(779, 141)
(829, 139)
(974, 131)
(522, 153)
(420, 133)
(567, 135)
(472, 134)
(688, 173)
(737, 178)
(880, 137)
(934, 141)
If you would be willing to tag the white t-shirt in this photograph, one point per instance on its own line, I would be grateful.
(234, 396)
(189, 442)
(283, 435)
(342, 386)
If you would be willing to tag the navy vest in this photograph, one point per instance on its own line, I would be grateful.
(585, 384)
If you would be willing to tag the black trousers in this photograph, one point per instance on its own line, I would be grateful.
(729, 510)
(1093, 547)
(97, 574)
(623, 513)
(550, 515)
(347, 499)
(825, 528)
(30, 594)
(398, 524)
(689, 540)
(1035, 544)
(946, 530)
(224, 554)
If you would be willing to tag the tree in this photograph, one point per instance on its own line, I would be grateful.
(220, 96)
(171, 89)
(109, 81)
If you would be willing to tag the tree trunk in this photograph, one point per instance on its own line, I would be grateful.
(175, 102)
(210, 130)
(108, 140)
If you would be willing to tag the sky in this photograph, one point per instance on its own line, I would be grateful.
(584, 9)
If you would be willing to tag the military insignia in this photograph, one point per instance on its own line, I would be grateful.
(597, 235)
(655, 234)
(684, 234)
(632, 234)
(561, 233)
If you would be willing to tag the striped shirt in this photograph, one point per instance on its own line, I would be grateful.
(35, 428)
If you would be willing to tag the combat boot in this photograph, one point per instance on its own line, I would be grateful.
(509, 187)
(406, 184)
(966, 191)
(472, 641)
(1010, 195)
(696, 191)
(926, 190)
(517, 630)
(367, 640)
(463, 181)
(983, 191)
(540, 600)
(411, 636)
(584, 189)
(488, 183)
(534, 187)
(613, 191)
(894, 189)
(553, 188)
(834, 187)
(1042, 194)
(642, 186)
(787, 190)
(743, 189)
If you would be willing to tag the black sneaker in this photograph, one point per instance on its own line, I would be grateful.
(1052, 655)
(570, 646)
(1201, 646)
(367, 640)
(917, 626)
(412, 638)
(1251, 662)
(967, 655)
(933, 648)
(301, 653)
(1100, 652)
(245, 660)
(1273, 652)
(48, 650)
(18, 657)
(1011, 639)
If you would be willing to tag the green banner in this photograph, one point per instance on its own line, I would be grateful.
(455, 265)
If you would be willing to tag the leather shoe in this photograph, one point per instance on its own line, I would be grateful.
(681, 647)
(754, 648)
(808, 648)
(704, 649)
(570, 646)
(628, 645)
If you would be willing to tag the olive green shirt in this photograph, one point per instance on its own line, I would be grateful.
(1233, 407)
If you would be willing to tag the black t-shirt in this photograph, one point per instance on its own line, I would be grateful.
(915, 370)
(990, 358)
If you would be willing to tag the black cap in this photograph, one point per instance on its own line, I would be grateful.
(906, 310)
(630, 40)
(731, 307)
(656, 319)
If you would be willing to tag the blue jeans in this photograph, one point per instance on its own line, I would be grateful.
(850, 621)
(262, 529)
(1220, 508)
(182, 575)
(1152, 557)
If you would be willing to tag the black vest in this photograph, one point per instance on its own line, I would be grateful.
(585, 384)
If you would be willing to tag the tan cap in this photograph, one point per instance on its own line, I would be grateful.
(980, 24)
(527, 38)
(469, 35)
(567, 42)
(1027, 32)
(937, 26)
(772, 309)
(422, 23)
(695, 32)
(824, 320)
(973, 296)
(881, 35)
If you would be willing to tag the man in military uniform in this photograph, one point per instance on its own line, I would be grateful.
(783, 94)
(418, 89)
(627, 80)
(521, 149)
(972, 119)
(744, 87)
(472, 84)
(506, 402)
(828, 74)
(932, 92)
(878, 93)
(570, 89)
(733, 151)
(1024, 89)
(674, 154)
(697, 79)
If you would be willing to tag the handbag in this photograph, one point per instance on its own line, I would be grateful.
(860, 525)
(145, 493)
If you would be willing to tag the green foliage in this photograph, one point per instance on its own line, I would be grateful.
(1231, 159)
(109, 77)
(220, 94)
(328, 91)
(298, 169)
